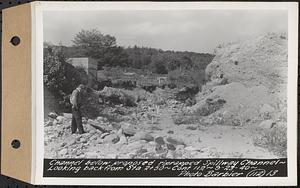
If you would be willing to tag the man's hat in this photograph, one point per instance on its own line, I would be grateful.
(81, 86)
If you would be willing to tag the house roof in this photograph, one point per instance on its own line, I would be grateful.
(78, 59)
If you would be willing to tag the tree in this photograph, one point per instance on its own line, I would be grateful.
(101, 47)
(93, 42)
(157, 65)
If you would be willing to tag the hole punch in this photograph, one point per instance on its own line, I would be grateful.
(15, 144)
(15, 40)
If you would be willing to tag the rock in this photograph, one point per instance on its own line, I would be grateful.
(178, 154)
(209, 106)
(71, 142)
(84, 121)
(170, 132)
(120, 132)
(63, 144)
(159, 140)
(174, 141)
(192, 127)
(141, 151)
(94, 137)
(266, 124)
(66, 125)
(60, 119)
(114, 125)
(98, 131)
(79, 136)
(83, 140)
(180, 147)
(112, 138)
(151, 143)
(266, 111)
(99, 140)
(54, 123)
(117, 96)
(171, 147)
(63, 152)
(123, 140)
(101, 119)
(192, 148)
(129, 132)
(128, 129)
(133, 146)
(104, 135)
(52, 115)
(170, 154)
(143, 136)
(67, 115)
(48, 123)
(97, 125)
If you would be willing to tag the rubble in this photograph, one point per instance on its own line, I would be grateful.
(111, 138)
(143, 136)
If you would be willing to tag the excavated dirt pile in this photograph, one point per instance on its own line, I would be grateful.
(256, 74)
(250, 79)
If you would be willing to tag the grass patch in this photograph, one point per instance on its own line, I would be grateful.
(274, 139)
(179, 119)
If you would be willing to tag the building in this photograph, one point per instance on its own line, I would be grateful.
(89, 65)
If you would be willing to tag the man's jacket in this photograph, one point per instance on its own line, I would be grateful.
(76, 98)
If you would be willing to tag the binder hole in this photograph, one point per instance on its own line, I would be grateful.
(15, 40)
(15, 144)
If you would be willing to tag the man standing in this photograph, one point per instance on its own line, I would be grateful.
(76, 101)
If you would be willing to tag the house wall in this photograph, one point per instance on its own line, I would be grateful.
(89, 65)
(50, 103)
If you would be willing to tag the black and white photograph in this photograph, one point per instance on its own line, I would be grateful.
(165, 84)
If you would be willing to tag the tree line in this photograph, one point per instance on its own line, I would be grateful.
(104, 48)
(61, 78)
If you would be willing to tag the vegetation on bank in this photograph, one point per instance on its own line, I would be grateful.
(181, 68)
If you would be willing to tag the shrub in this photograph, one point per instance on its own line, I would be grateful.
(185, 77)
(209, 106)
(179, 119)
(274, 139)
(60, 77)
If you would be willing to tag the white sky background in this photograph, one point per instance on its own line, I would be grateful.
(192, 30)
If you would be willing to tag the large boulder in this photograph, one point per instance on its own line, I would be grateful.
(67, 115)
(63, 152)
(209, 105)
(266, 111)
(98, 125)
(143, 136)
(128, 129)
(117, 96)
(266, 124)
(60, 119)
(52, 115)
(112, 138)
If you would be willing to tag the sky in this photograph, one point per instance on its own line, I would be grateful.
(179, 30)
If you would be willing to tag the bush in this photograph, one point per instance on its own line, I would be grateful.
(60, 77)
(209, 106)
(181, 78)
(183, 118)
(274, 139)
